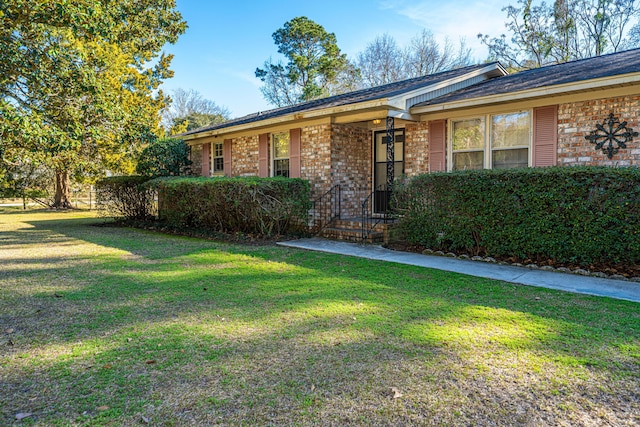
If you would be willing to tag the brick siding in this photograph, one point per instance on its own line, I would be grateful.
(576, 120)
(196, 159)
(245, 156)
(351, 166)
(416, 148)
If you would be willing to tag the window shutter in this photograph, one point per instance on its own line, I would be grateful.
(545, 136)
(227, 156)
(206, 158)
(263, 155)
(294, 152)
(437, 159)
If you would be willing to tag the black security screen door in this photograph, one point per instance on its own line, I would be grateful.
(381, 197)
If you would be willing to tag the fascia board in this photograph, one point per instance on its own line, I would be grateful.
(582, 86)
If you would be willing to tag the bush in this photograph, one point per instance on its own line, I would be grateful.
(579, 215)
(258, 206)
(126, 197)
(165, 157)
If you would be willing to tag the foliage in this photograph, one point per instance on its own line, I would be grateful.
(79, 80)
(562, 31)
(256, 206)
(580, 215)
(383, 61)
(188, 110)
(314, 63)
(125, 197)
(164, 157)
(25, 175)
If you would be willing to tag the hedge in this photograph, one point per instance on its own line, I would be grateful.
(257, 206)
(126, 197)
(579, 215)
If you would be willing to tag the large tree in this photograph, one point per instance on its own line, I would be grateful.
(383, 61)
(190, 110)
(79, 81)
(313, 65)
(564, 30)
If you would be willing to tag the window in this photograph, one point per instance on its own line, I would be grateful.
(468, 144)
(218, 158)
(510, 136)
(280, 151)
(504, 145)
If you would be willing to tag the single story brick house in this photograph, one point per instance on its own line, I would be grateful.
(474, 117)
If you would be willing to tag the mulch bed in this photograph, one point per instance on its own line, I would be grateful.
(628, 271)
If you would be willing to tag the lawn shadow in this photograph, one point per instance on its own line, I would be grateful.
(283, 320)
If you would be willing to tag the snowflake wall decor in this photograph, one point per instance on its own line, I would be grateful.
(610, 131)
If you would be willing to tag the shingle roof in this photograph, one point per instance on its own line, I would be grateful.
(570, 72)
(370, 94)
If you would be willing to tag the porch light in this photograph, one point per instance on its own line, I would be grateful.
(377, 121)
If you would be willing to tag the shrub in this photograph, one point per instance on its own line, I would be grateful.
(579, 215)
(257, 206)
(125, 197)
(164, 157)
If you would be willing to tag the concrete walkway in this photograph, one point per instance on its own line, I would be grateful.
(618, 289)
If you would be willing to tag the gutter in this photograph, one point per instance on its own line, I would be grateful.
(582, 86)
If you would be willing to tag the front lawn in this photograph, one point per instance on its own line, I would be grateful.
(116, 326)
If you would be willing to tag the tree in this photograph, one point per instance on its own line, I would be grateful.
(565, 30)
(190, 110)
(314, 63)
(79, 81)
(383, 61)
(424, 55)
(164, 157)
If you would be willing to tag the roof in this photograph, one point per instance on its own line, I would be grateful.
(370, 94)
(613, 64)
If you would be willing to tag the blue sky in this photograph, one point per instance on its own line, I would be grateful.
(227, 40)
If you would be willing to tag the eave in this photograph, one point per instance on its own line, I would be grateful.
(547, 91)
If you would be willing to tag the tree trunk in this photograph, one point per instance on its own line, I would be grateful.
(63, 191)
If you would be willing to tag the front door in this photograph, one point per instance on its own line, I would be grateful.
(381, 196)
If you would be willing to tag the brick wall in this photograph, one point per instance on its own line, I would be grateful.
(196, 159)
(351, 166)
(576, 120)
(245, 156)
(416, 148)
(315, 158)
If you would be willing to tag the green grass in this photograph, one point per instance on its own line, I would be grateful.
(116, 326)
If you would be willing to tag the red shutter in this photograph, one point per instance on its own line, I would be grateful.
(263, 155)
(545, 136)
(227, 156)
(437, 146)
(294, 152)
(206, 159)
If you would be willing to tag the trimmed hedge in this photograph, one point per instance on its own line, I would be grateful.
(258, 206)
(126, 197)
(579, 215)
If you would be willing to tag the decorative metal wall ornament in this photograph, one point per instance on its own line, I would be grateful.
(391, 132)
(611, 130)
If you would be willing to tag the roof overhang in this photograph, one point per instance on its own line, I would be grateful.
(382, 105)
(546, 91)
(393, 106)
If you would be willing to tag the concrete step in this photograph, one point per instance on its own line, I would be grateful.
(351, 235)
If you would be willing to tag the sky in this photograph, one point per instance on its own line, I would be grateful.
(227, 40)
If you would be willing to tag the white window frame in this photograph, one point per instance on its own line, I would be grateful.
(216, 155)
(274, 159)
(488, 143)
